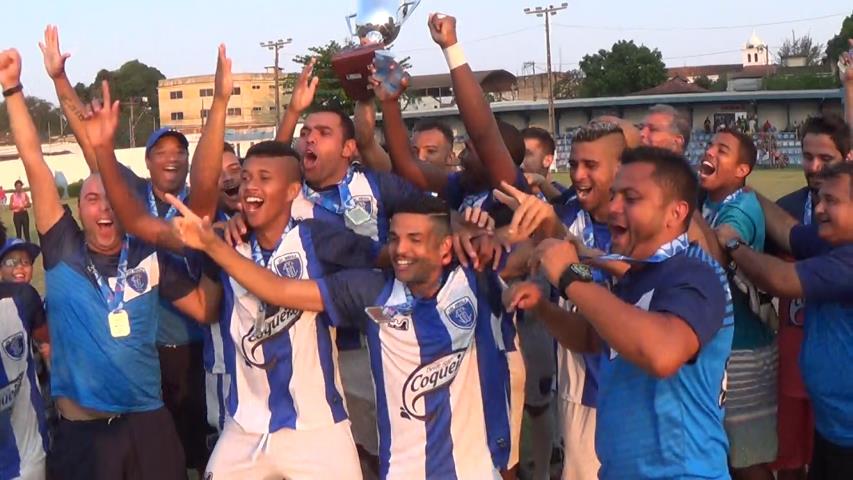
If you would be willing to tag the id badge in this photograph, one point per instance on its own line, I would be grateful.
(119, 323)
(357, 215)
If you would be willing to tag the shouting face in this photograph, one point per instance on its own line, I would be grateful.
(168, 164)
(325, 151)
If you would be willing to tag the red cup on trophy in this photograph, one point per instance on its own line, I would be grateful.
(376, 25)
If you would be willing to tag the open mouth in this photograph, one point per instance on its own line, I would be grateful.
(252, 203)
(583, 192)
(231, 191)
(105, 224)
(309, 159)
(707, 168)
(402, 264)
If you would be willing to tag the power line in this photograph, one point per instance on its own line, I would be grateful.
(705, 28)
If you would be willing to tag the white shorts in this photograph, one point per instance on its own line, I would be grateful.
(580, 460)
(517, 376)
(216, 395)
(293, 454)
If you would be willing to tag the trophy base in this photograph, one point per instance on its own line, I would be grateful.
(350, 65)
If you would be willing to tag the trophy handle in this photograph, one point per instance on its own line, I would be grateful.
(406, 9)
(350, 25)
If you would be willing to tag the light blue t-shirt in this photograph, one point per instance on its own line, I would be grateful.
(743, 212)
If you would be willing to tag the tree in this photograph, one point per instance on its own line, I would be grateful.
(330, 93)
(46, 117)
(803, 46)
(718, 85)
(624, 69)
(838, 44)
(569, 84)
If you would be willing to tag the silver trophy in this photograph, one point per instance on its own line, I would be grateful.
(376, 24)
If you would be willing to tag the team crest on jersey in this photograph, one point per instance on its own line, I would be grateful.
(9, 392)
(462, 313)
(137, 279)
(366, 202)
(426, 379)
(278, 321)
(288, 265)
(797, 312)
(14, 346)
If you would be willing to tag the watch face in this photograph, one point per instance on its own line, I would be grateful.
(582, 271)
(733, 244)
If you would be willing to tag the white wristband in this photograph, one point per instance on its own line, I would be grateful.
(455, 56)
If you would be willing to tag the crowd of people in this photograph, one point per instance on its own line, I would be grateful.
(679, 323)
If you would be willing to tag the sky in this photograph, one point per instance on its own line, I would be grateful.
(180, 37)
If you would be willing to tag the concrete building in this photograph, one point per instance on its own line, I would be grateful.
(185, 101)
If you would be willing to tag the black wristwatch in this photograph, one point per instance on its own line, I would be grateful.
(576, 272)
(734, 244)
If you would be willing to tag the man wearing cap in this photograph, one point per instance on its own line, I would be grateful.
(16, 260)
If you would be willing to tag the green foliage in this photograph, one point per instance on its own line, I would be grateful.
(74, 189)
(838, 44)
(43, 112)
(800, 47)
(718, 85)
(806, 81)
(569, 85)
(330, 93)
(624, 69)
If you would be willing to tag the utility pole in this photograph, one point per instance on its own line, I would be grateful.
(547, 12)
(276, 46)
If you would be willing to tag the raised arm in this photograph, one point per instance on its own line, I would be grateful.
(847, 81)
(372, 154)
(476, 114)
(771, 274)
(300, 100)
(198, 233)
(207, 159)
(423, 175)
(72, 106)
(100, 127)
(47, 208)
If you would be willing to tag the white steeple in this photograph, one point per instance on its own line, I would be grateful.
(755, 52)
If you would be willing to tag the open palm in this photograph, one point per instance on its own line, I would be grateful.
(54, 60)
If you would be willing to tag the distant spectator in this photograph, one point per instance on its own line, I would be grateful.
(2, 198)
(19, 204)
(707, 124)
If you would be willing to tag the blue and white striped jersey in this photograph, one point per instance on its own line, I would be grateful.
(283, 362)
(23, 436)
(578, 373)
(439, 370)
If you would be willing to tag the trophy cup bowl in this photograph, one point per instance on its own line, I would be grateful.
(376, 25)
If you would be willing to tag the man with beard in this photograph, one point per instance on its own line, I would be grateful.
(432, 142)
(664, 332)
(102, 289)
(436, 364)
(820, 277)
(751, 401)
(826, 142)
(539, 156)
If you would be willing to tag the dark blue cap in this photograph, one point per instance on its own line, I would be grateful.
(165, 132)
(18, 244)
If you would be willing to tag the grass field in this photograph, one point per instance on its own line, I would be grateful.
(772, 183)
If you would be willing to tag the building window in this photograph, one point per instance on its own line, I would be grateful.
(235, 112)
(176, 95)
(205, 92)
(256, 87)
(236, 91)
(177, 115)
(272, 109)
(257, 109)
(205, 112)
